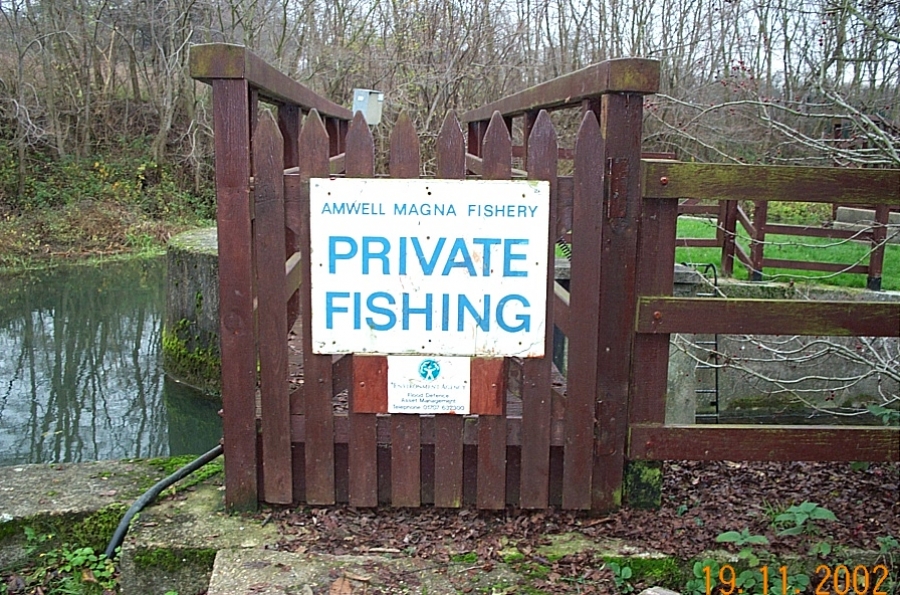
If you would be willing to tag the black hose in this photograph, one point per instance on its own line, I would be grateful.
(153, 492)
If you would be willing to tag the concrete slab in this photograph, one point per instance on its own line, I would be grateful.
(266, 572)
(62, 497)
(172, 544)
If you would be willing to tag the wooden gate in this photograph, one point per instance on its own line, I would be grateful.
(531, 443)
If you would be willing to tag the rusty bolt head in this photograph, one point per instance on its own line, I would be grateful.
(664, 181)
(657, 315)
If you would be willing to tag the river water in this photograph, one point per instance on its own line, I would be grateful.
(80, 369)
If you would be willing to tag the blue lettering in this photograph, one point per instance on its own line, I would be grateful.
(407, 310)
(508, 256)
(459, 247)
(400, 209)
(486, 244)
(331, 309)
(428, 267)
(378, 310)
(483, 320)
(334, 255)
(367, 254)
(523, 319)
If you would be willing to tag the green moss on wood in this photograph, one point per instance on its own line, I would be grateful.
(643, 484)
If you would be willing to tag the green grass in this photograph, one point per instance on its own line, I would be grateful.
(793, 248)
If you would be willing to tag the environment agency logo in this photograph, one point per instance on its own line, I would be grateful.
(429, 369)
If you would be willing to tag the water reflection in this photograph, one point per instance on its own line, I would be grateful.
(80, 374)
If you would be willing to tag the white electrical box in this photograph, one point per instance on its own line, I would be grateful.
(370, 103)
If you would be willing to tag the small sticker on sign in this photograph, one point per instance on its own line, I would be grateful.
(428, 384)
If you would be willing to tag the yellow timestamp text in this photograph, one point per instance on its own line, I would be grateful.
(838, 580)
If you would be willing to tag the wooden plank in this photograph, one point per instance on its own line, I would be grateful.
(817, 232)
(764, 443)
(448, 429)
(406, 489)
(686, 209)
(319, 444)
(697, 243)
(488, 379)
(269, 239)
(876, 257)
(429, 437)
(238, 345)
(584, 288)
(711, 181)
(289, 125)
(367, 385)
(757, 233)
(212, 61)
(561, 310)
(655, 276)
(768, 317)
(632, 75)
(621, 115)
(536, 386)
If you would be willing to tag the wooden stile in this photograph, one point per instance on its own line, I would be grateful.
(536, 387)
(275, 408)
(360, 163)
(317, 381)
(405, 430)
(448, 429)
(488, 376)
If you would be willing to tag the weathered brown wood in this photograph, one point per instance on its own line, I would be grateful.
(491, 486)
(561, 310)
(876, 257)
(709, 181)
(269, 239)
(655, 276)
(405, 432)
(368, 383)
(686, 209)
(725, 233)
(475, 133)
(697, 243)
(536, 387)
(631, 75)
(475, 165)
(768, 317)
(238, 346)
(817, 232)
(292, 277)
(758, 239)
(448, 429)
(584, 288)
(319, 447)
(289, 124)
(224, 61)
(621, 116)
(764, 443)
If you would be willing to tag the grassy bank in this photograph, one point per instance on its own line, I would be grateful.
(115, 202)
(794, 248)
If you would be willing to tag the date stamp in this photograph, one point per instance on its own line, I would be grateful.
(837, 580)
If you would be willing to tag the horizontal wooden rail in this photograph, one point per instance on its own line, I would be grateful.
(228, 61)
(726, 442)
(427, 429)
(623, 75)
(475, 164)
(697, 243)
(292, 275)
(767, 317)
(818, 232)
(710, 181)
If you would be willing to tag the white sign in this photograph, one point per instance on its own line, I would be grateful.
(445, 267)
(428, 384)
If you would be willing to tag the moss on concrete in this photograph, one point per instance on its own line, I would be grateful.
(643, 484)
(172, 560)
(186, 358)
(662, 572)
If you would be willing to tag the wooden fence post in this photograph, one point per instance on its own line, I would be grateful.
(231, 106)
